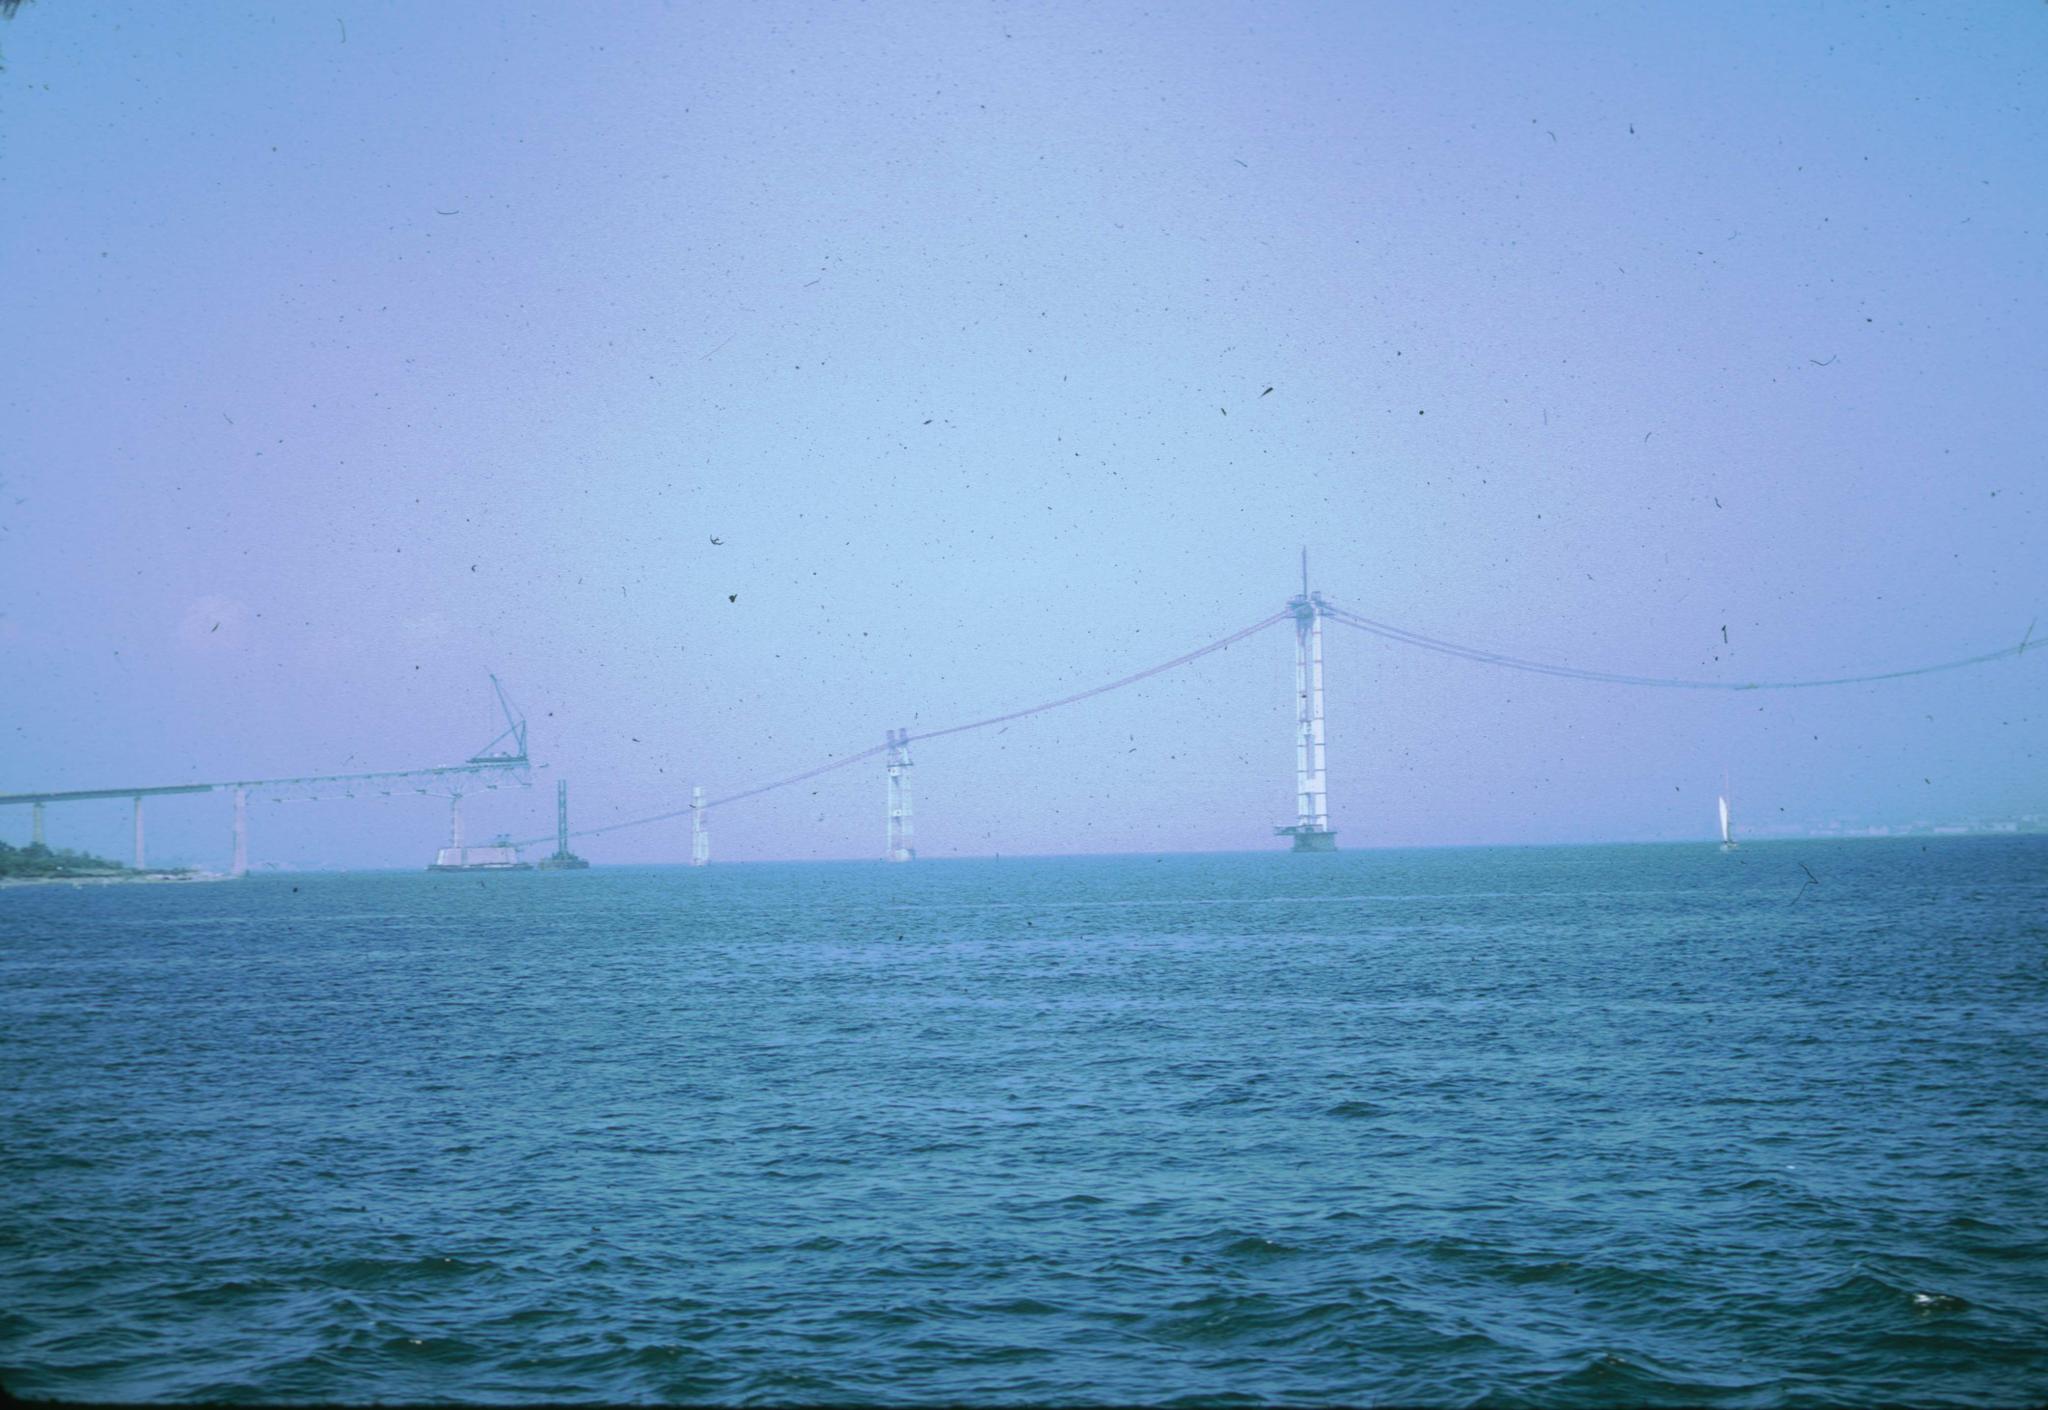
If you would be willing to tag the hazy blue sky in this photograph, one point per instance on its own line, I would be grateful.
(354, 352)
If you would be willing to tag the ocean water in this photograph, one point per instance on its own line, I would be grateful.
(1560, 1126)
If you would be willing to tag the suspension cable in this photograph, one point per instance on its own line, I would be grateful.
(715, 802)
(1496, 658)
(870, 753)
(1132, 679)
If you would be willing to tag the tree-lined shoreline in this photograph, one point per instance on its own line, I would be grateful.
(37, 862)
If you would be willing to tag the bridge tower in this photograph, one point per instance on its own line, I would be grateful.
(1311, 828)
(900, 848)
(700, 840)
(240, 865)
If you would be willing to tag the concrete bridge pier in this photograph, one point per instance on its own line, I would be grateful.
(240, 866)
(36, 825)
(138, 832)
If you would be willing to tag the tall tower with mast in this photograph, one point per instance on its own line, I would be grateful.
(1311, 828)
(900, 847)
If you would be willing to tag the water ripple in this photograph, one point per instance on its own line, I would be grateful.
(1546, 1127)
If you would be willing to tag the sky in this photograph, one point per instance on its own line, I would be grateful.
(739, 381)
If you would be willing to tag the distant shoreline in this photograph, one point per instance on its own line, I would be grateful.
(1761, 839)
(114, 878)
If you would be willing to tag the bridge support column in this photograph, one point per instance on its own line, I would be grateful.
(700, 840)
(1311, 829)
(240, 865)
(138, 832)
(900, 848)
(36, 825)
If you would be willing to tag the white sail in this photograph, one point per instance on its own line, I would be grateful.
(1725, 838)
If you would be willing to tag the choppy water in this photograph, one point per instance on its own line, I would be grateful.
(1557, 1126)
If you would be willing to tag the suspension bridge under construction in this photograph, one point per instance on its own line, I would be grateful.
(504, 761)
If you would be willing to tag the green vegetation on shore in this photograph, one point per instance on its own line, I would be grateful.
(38, 860)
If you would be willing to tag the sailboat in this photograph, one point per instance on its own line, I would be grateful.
(1727, 837)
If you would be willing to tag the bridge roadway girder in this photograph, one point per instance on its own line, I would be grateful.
(517, 768)
(81, 795)
(512, 769)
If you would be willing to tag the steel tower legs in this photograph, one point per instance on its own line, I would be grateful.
(1311, 828)
(900, 848)
(1311, 785)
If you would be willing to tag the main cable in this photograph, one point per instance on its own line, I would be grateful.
(715, 802)
(870, 753)
(1518, 663)
(1131, 679)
